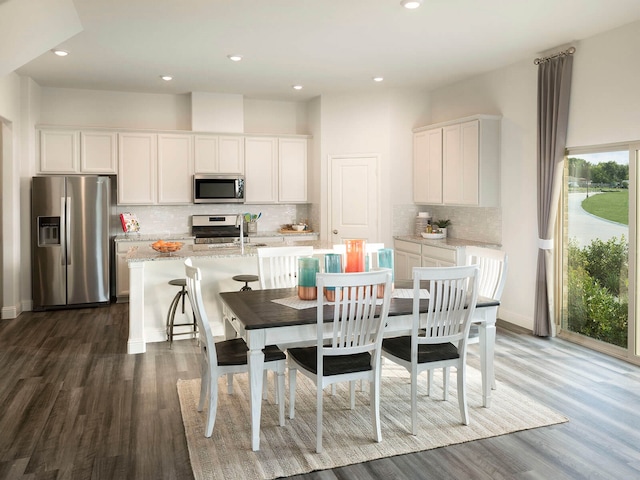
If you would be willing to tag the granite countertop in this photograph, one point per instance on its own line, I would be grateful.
(151, 237)
(144, 253)
(448, 243)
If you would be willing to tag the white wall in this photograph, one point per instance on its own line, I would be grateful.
(10, 94)
(376, 123)
(605, 108)
(605, 96)
(98, 108)
(274, 117)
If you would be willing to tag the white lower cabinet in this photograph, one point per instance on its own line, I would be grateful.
(413, 254)
(438, 257)
(407, 256)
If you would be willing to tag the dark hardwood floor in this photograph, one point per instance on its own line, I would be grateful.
(74, 405)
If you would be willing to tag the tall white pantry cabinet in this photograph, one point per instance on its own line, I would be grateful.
(458, 162)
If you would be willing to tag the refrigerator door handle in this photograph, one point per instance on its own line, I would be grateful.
(67, 230)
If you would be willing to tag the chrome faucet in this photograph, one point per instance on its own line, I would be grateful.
(240, 223)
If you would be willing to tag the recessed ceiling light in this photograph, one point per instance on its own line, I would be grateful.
(297, 87)
(166, 78)
(60, 53)
(234, 58)
(378, 79)
(411, 4)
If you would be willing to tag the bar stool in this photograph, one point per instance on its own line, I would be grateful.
(180, 297)
(246, 279)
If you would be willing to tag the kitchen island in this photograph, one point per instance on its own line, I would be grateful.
(150, 293)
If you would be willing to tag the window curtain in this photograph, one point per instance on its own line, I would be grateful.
(554, 88)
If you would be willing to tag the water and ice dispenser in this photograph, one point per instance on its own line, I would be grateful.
(48, 231)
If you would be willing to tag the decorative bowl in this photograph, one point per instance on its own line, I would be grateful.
(298, 227)
(433, 236)
(166, 247)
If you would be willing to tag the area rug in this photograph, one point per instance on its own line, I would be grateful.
(347, 434)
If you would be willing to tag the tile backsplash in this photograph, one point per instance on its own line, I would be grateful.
(470, 223)
(176, 219)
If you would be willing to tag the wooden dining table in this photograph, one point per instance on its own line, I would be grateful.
(255, 316)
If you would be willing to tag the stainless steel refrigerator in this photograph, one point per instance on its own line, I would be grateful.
(70, 240)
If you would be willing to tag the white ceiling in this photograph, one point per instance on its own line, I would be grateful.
(328, 46)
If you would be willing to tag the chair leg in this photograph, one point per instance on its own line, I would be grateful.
(414, 400)
(292, 392)
(204, 384)
(280, 394)
(462, 393)
(213, 406)
(374, 400)
(445, 383)
(230, 383)
(171, 317)
(429, 382)
(352, 393)
(265, 385)
(319, 417)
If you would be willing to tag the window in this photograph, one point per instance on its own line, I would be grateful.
(597, 225)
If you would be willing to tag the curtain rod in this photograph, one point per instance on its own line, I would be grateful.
(568, 51)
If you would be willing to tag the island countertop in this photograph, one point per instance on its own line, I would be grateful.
(144, 253)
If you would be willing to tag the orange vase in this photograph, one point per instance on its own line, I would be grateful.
(355, 255)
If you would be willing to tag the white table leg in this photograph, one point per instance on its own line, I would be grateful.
(487, 331)
(255, 358)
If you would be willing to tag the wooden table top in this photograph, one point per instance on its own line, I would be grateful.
(256, 310)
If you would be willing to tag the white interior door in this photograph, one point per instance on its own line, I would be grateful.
(353, 197)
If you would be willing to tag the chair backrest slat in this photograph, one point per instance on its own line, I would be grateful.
(358, 320)
(453, 293)
(493, 270)
(278, 266)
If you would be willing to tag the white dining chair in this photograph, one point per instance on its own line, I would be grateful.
(224, 357)
(493, 274)
(439, 337)
(278, 266)
(353, 350)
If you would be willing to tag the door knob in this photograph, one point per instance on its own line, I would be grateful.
(335, 232)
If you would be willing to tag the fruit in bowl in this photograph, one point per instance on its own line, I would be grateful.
(166, 247)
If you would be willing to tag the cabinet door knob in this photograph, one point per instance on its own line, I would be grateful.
(335, 232)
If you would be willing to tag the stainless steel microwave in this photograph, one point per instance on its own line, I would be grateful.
(218, 189)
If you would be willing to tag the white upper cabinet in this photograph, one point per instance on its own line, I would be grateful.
(98, 152)
(292, 165)
(75, 151)
(137, 168)
(175, 169)
(427, 166)
(59, 151)
(261, 169)
(218, 154)
(469, 162)
(275, 170)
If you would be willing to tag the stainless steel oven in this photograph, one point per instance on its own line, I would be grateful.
(217, 228)
(218, 189)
